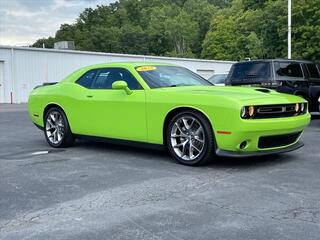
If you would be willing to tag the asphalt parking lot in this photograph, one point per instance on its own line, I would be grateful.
(102, 191)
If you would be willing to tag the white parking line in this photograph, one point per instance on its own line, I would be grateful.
(39, 153)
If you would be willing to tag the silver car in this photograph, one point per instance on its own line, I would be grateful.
(218, 79)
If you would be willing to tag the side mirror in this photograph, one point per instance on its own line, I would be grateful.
(121, 85)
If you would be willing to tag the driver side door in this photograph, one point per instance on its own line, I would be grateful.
(112, 113)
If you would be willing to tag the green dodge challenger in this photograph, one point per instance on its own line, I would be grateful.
(166, 105)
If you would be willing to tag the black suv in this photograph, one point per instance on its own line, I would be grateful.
(296, 77)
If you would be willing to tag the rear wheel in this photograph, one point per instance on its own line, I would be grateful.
(189, 138)
(56, 129)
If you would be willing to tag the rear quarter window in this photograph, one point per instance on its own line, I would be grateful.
(86, 79)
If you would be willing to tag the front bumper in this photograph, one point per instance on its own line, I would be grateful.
(223, 153)
(252, 130)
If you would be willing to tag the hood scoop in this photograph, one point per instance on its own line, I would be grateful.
(263, 90)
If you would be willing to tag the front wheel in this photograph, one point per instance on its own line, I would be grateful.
(189, 138)
(56, 129)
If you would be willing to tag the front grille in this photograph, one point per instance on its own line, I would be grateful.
(278, 140)
(273, 111)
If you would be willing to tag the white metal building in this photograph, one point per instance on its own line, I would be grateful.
(22, 68)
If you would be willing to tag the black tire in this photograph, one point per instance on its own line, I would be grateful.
(67, 138)
(208, 147)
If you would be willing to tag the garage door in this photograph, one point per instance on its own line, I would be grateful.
(1, 82)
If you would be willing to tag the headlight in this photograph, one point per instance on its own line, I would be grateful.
(251, 111)
(243, 112)
(303, 108)
(247, 112)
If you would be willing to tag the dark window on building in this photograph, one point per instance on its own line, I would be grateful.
(87, 78)
(287, 69)
(313, 70)
(107, 76)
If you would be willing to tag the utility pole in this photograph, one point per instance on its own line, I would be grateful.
(289, 29)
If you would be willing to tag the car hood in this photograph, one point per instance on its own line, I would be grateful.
(250, 95)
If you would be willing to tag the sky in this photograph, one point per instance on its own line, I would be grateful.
(22, 22)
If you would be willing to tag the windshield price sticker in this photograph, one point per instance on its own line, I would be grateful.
(146, 68)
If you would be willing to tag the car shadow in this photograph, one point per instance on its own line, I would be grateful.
(315, 117)
(251, 162)
(163, 155)
(106, 146)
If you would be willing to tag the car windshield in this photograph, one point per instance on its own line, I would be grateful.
(218, 78)
(170, 76)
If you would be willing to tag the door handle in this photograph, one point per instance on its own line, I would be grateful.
(89, 96)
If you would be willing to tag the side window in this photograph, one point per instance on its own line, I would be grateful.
(313, 70)
(288, 69)
(87, 79)
(101, 81)
(106, 77)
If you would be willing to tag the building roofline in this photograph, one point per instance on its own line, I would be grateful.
(110, 54)
(278, 59)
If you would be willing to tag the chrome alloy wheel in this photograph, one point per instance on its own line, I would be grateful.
(187, 138)
(55, 128)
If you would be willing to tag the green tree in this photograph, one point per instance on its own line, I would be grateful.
(239, 32)
(224, 29)
(306, 30)
(220, 3)
(224, 40)
(106, 39)
(44, 42)
(158, 39)
(200, 11)
(254, 46)
(221, 42)
(133, 40)
(182, 32)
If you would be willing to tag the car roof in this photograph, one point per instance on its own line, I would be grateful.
(129, 64)
(277, 60)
